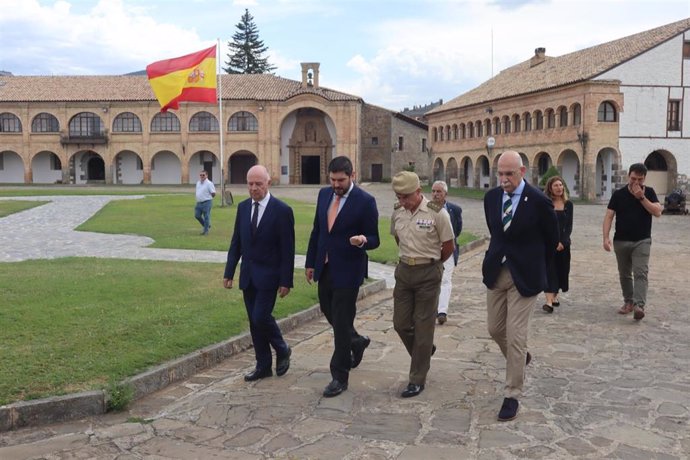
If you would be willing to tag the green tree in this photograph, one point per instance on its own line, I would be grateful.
(552, 171)
(246, 50)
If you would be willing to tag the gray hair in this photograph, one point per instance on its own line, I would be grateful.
(442, 184)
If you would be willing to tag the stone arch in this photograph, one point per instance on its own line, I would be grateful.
(239, 164)
(166, 168)
(467, 172)
(452, 173)
(128, 168)
(87, 166)
(604, 171)
(46, 168)
(662, 171)
(438, 172)
(308, 137)
(528, 171)
(542, 163)
(206, 160)
(12, 170)
(483, 172)
(569, 165)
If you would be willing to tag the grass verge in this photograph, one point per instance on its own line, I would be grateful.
(76, 324)
(8, 207)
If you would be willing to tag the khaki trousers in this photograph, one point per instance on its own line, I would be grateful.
(508, 315)
(415, 297)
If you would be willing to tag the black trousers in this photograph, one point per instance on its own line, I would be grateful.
(339, 306)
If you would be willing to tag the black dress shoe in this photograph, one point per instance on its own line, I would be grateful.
(257, 374)
(283, 363)
(509, 409)
(358, 350)
(528, 359)
(334, 388)
(433, 350)
(412, 390)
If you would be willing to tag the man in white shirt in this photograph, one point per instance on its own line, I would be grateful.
(205, 191)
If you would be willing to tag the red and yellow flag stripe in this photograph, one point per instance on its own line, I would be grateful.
(190, 78)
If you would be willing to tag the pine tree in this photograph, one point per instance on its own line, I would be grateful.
(246, 49)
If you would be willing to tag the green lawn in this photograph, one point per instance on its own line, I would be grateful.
(169, 220)
(8, 207)
(78, 323)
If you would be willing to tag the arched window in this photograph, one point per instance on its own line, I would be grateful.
(576, 109)
(9, 123)
(127, 122)
(470, 130)
(435, 134)
(528, 121)
(478, 125)
(562, 117)
(497, 125)
(455, 132)
(506, 124)
(487, 127)
(85, 124)
(462, 130)
(607, 112)
(441, 133)
(203, 121)
(165, 122)
(550, 118)
(539, 118)
(45, 123)
(516, 123)
(244, 121)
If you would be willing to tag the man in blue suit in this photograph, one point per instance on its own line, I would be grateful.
(524, 234)
(264, 237)
(345, 227)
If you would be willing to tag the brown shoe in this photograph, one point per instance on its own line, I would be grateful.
(625, 309)
(638, 313)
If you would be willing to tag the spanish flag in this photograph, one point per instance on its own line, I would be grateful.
(190, 78)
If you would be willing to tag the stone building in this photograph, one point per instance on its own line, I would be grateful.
(109, 129)
(591, 113)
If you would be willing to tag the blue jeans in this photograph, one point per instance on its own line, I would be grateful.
(202, 213)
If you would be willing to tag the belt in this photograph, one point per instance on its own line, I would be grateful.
(416, 260)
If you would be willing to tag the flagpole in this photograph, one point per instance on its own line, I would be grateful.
(220, 128)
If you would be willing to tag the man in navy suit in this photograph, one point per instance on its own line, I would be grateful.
(264, 237)
(345, 227)
(524, 234)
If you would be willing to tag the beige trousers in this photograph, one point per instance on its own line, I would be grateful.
(508, 315)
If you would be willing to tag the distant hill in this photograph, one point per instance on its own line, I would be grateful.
(138, 72)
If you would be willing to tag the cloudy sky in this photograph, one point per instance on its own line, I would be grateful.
(394, 53)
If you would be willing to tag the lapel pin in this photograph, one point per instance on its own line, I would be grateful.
(526, 198)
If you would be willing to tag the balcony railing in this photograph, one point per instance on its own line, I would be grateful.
(91, 138)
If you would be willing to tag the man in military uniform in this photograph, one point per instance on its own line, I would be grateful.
(425, 239)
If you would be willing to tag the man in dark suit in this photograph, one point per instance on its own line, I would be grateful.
(439, 192)
(345, 227)
(264, 237)
(524, 234)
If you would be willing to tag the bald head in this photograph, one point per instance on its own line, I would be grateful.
(510, 170)
(258, 180)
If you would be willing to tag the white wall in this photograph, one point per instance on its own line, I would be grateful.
(40, 168)
(286, 130)
(166, 169)
(648, 82)
(12, 171)
(129, 174)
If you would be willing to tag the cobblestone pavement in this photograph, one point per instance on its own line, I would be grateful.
(600, 385)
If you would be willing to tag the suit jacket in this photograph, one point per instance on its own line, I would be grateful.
(268, 258)
(455, 213)
(528, 243)
(358, 216)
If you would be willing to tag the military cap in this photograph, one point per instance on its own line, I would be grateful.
(405, 182)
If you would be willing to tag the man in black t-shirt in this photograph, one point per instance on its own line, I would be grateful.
(633, 206)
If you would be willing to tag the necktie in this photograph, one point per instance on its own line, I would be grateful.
(255, 218)
(507, 212)
(333, 212)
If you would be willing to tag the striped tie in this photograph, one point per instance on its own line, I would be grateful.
(507, 212)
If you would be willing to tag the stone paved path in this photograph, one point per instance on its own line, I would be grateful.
(600, 385)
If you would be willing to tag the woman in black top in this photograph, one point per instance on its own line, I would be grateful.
(559, 269)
